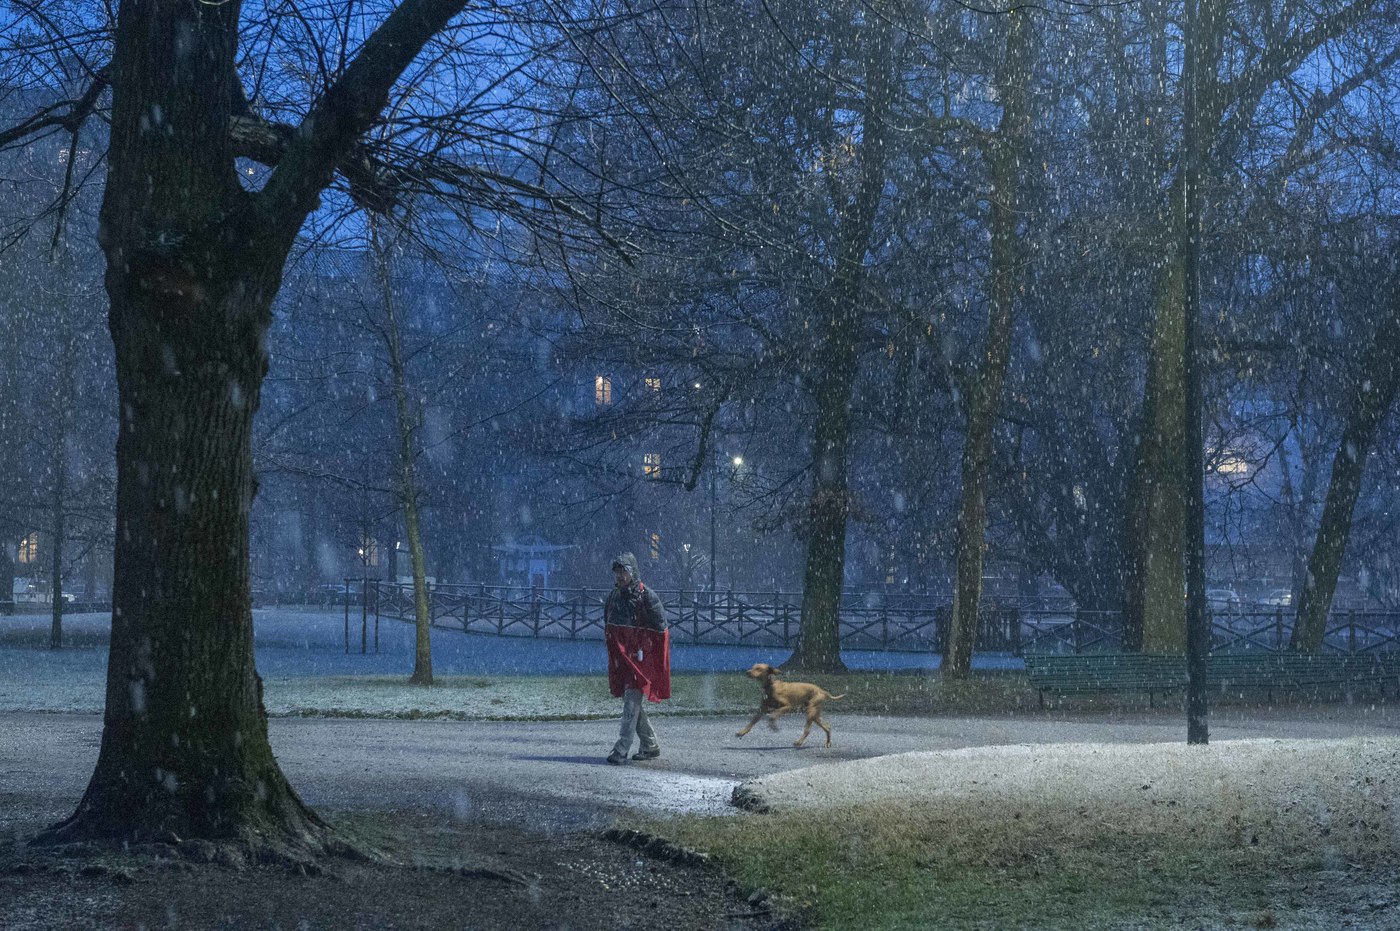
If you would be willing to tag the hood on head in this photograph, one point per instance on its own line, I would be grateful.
(629, 562)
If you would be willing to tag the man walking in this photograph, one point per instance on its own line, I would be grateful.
(639, 657)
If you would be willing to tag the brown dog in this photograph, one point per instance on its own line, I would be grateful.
(781, 697)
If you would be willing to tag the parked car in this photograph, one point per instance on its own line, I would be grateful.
(1278, 598)
(334, 594)
(1223, 599)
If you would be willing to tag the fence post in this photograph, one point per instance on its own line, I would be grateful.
(1278, 628)
(345, 599)
(376, 617)
(1015, 622)
(1351, 631)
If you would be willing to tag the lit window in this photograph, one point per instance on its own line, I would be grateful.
(28, 549)
(654, 385)
(602, 390)
(651, 465)
(655, 545)
(1232, 465)
(368, 551)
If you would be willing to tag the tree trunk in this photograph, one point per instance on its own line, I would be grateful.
(819, 638)
(833, 367)
(184, 747)
(184, 744)
(985, 402)
(1161, 499)
(57, 503)
(407, 422)
(193, 264)
(58, 466)
(1378, 378)
(7, 572)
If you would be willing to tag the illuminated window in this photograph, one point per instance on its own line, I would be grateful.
(654, 385)
(651, 465)
(28, 549)
(655, 545)
(1232, 465)
(368, 551)
(602, 390)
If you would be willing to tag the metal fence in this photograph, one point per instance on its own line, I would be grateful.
(868, 621)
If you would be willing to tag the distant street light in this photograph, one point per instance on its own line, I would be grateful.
(738, 460)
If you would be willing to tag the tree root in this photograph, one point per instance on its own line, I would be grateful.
(310, 853)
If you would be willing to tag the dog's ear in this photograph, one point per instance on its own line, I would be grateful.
(775, 670)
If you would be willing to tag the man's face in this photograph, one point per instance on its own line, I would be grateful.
(623, 577)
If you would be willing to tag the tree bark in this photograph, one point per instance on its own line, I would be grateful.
(819, 639)
(1378, 379)
(985, 402)
(1161, 502)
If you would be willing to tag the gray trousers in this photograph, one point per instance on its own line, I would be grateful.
(634, 724)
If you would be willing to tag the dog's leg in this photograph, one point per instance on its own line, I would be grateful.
(777, 713)
(752, 721)
(812, 712)
(822, 724)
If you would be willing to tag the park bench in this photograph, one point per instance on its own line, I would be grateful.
(1156, 673)
(1088, 673)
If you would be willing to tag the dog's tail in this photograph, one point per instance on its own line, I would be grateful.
(831, 697)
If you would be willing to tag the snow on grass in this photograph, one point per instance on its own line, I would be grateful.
(1288, 834)
(302, 657)
(1352, 785)
(306, 669)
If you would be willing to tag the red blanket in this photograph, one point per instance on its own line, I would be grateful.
(639, 658)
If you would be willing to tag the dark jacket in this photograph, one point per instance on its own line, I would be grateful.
(636, 605)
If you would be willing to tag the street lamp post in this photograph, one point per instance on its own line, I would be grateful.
(714, 508)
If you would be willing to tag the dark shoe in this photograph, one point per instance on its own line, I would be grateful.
(651, 754)
(617, 759)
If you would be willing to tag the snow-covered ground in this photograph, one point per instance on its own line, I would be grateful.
(303, 660)
(1129, 781)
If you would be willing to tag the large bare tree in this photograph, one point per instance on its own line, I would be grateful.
(194, 259)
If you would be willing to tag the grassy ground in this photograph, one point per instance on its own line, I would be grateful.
(888, 866)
